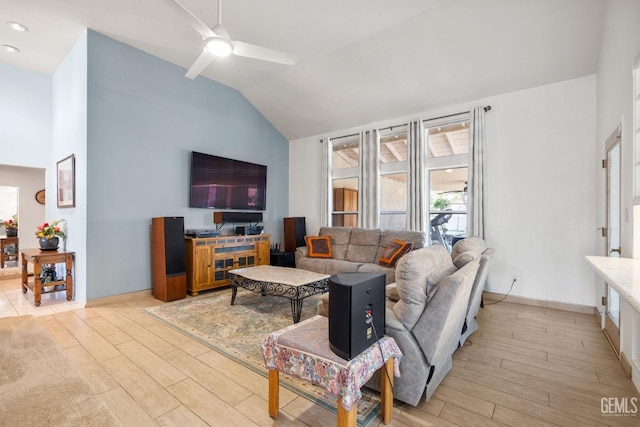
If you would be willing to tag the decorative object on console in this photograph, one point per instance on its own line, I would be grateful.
(48, 235)
(11, 226)
(319, 247)
(396, 250)
(66, 181)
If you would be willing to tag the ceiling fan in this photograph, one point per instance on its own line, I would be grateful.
(218, 43)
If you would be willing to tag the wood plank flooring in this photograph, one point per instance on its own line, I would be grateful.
(525, 366)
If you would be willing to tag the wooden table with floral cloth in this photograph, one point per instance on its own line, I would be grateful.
(303, 350)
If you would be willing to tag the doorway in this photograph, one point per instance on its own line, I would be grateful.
(613, 249)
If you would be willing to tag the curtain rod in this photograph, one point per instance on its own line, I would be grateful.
(486, 109)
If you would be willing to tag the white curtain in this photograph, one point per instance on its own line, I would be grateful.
(475, 218)
(417, 213)
(369, 196)
(325, 208)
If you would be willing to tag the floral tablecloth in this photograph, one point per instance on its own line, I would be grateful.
(303, 350)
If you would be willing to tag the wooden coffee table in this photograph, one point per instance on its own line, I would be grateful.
(292, 283)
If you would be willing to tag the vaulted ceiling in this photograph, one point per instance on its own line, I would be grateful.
(360, 61)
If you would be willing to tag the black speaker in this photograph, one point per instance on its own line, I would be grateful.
(295, 229)
(223, 216)
(168, 258)
(351, 297)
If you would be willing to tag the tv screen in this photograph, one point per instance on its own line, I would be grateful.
(221, 183)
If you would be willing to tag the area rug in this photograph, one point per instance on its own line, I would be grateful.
(237, 332)
(39, 385)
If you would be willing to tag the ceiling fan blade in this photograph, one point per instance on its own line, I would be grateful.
(263, 53)
(201, 63)
(193, 20)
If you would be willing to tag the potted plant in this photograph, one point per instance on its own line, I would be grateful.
(48, 235)
(11, 226)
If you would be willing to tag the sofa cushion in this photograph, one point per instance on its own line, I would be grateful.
(418, 238)
(412, 273)
(319, 247)
(394, 252)
(389, 272)
(339, 239)
(473, 243)
(466, 257)
(363, 245)
(337, 266)
(391, 292)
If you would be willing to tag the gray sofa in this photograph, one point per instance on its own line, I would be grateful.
(427, 319)
(476, 248)
(357, 249)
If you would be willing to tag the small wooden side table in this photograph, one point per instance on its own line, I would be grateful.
(38, 258)
(7, 241)
(302, 350)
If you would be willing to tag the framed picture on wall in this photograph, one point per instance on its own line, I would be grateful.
(66, 181)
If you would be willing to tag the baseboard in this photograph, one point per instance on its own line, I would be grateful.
(576, 308)
(118, 298)
(626, 366)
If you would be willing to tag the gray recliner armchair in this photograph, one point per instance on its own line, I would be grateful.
(427, 319)
(463, 250)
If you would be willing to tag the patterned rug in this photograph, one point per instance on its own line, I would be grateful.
(237, 332)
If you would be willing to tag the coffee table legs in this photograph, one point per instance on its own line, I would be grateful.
(296, 309)
(234, 292)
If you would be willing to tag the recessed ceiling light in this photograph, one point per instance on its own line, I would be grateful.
(17, 26)
(9, 48)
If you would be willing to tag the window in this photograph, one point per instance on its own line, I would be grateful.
(448, 205)
(345, 157)
(447, 175)
(393, 178)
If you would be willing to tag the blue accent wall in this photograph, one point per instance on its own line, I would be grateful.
(143, 120)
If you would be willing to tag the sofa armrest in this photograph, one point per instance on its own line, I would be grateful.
(301, 252)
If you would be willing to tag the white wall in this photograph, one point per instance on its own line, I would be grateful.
(540, 178)
(70, 137)
(25, 117)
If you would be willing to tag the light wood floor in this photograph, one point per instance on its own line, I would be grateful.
(525, 366)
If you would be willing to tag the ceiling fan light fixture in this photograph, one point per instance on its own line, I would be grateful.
(17, 26)
(10, 49)
(219, 46)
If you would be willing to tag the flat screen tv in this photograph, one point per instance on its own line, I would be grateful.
(221, 183)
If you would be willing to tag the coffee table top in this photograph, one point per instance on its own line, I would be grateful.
(283, 275)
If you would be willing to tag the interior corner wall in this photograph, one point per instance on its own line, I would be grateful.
(30, 213)
(69, 113)
(539, 198)
(144, 119)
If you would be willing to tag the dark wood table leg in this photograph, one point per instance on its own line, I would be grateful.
(2, 253)
(37, 283)
(69, 278)
(25, 275)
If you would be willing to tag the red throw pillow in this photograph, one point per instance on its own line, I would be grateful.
(319, 247)
(394, 252)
